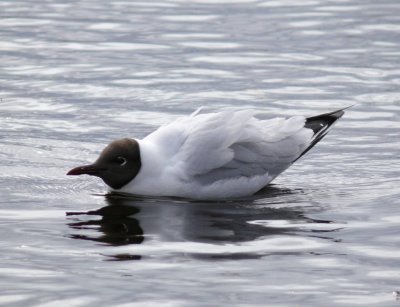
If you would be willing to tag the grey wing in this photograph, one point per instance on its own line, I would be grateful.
(235, 146)
(252, 159)
(272, 155)
(251, 149)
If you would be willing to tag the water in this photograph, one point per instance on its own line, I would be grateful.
(75, 75)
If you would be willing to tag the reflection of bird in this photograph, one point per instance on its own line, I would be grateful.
(206, 156)
(118, 225)
(162, 222)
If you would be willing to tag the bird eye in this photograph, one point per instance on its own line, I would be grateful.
(120, 160)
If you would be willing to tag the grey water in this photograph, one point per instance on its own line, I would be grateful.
(75, 75)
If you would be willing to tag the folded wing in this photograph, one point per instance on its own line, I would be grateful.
(234, 144)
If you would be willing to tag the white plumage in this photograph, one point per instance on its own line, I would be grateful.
(218, 155)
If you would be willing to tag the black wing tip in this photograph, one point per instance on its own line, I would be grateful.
(320, 125)
(334, 115)
(337, 114)
(324, 121)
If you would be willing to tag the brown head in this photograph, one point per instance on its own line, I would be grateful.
(117, 165)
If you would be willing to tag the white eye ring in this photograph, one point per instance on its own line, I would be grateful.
(121, 160)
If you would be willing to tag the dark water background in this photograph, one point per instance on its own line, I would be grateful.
(75, 75)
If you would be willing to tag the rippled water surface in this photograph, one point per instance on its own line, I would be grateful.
(75, 75)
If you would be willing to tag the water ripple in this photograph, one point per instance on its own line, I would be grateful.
(77, 75)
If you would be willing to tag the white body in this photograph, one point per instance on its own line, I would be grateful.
(217, 155)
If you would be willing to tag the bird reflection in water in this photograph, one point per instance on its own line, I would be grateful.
(117, 225)
(131, 220)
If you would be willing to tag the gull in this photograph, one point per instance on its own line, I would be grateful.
(220, 155)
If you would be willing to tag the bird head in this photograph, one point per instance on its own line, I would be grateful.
(117, 164)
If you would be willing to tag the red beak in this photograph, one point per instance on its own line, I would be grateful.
(91, 169)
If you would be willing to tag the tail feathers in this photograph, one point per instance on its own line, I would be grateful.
(321, 125)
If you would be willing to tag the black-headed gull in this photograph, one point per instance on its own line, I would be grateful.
(208, 156)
